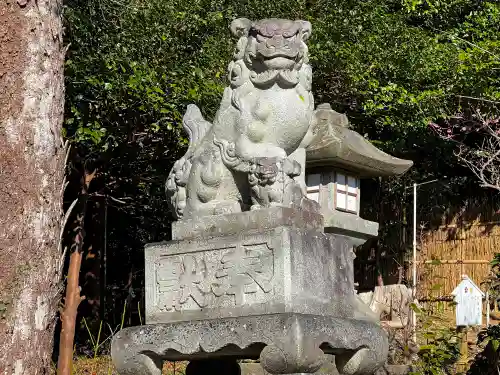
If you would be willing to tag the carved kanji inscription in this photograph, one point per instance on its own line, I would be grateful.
(232, 276)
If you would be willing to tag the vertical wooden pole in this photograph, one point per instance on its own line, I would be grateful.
(414, 262)
(463, 362)
(487, 309)
(73, 297)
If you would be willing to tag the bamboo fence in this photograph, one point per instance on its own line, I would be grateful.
(450, 251)
(462, 239)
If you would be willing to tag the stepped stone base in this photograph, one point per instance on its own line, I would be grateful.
(284, 343)
(270, 286)
(289, 266)
(328, 369)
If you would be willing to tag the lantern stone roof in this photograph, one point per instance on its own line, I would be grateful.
(334, 144)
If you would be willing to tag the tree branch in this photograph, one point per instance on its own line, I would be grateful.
(482, 158)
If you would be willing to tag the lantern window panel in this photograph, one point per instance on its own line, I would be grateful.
(346, 193)
(313, 182)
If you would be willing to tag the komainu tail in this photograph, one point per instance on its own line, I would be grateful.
(197, 127)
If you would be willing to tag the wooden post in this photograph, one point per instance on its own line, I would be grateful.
(487, 309)
(463, 362)
(73, 297)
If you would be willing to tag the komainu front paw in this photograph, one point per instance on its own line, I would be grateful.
(266, 171)
(291, 167)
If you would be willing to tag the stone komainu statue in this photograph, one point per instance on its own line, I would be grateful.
(223, 290)
(253, 154)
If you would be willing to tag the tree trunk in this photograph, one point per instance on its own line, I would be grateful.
(31, 179)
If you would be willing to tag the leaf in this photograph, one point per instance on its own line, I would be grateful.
(415, 308)
(436, 287)
(158, 90)
(495, 344)
(427, 347)
(496, 260)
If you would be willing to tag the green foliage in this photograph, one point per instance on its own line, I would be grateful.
(132, 67)
(487, 362)
(442, 349)
(396, 64)
(493, 282)
(393, 66)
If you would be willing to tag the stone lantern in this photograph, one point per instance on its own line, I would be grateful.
(336, 159)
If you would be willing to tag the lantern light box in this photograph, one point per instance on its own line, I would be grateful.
(336, 159)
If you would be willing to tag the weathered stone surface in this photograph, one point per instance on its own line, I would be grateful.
(252, 369)
(282, 269)
(246, 222)
(250, 156)
(334, 144)
(285, 343)
(328, 368)
(391, 302)
(352, 226)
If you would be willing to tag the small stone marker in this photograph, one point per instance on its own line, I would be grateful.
(469, 299)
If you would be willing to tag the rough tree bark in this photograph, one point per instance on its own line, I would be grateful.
(31, 179)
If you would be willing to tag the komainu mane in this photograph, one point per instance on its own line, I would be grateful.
(252, 156)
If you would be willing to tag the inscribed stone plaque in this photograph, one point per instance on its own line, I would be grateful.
(232, 276)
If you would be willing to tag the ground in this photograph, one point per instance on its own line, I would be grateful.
(102, 366)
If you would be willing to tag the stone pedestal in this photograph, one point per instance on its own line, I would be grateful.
(266, 284)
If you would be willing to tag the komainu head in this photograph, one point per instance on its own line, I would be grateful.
(271, 44)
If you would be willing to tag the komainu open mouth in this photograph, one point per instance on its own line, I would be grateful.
(283, 55)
